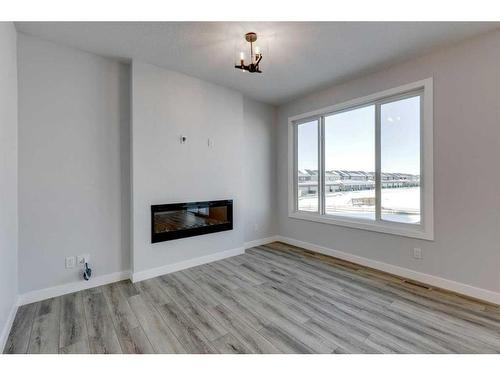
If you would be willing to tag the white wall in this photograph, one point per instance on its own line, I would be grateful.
(466, 154)
(8, 177)
(165, 106)
(73, 163)
(259, 170)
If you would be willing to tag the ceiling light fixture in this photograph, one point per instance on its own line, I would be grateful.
(253, 67)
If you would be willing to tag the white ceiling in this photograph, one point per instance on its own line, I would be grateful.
(299, 57)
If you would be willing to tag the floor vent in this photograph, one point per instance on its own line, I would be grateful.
(414, 283)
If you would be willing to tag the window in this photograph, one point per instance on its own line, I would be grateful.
(350, 163)
(307, 163)
(400, 160)
(367, 163)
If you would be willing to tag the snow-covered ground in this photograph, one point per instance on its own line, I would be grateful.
(398, 204)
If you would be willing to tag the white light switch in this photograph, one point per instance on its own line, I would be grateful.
(70, 262)
(417, 253)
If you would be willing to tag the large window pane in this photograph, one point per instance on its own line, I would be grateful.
(350, 163)
(307, 165)
(400, 160)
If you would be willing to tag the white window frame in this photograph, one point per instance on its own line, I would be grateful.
(424, 230)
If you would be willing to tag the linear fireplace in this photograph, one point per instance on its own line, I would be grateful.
(179, 220)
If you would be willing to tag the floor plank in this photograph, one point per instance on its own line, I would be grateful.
(45, 332)
(274, 298)
(102, 335)
(73, 327)
(252, 340)
(160, 336)
(228, 344)
(284, 341)
(19, 337)
(181, 325)
(130, 334)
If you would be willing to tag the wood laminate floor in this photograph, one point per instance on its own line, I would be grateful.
(273, 299)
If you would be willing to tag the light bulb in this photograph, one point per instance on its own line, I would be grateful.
(257, 50)
(242, 56)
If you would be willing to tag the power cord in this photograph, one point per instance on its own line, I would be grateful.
(87, 273)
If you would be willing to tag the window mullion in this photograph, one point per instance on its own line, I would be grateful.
(295, 167)
(378, 175)
(321, 161)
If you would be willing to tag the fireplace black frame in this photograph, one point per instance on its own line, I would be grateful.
(190, 232)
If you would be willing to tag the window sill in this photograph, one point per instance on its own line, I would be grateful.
(389, 228)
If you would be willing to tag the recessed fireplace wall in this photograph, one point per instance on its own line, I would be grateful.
(188, 219)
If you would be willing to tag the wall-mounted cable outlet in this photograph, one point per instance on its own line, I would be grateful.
(82, 259)
(70, 262)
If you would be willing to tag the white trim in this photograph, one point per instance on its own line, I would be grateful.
(59, 290)
(400, 230)
(8, 325)
(292, 183)
(365, 99)
(454, 286)
(427, 180)
(260, 242)
(169, 268)
(424, 231)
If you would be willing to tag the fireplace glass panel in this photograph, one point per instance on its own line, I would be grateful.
(190, 219)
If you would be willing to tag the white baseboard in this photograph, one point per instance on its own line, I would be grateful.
(454, 286)
(59, 290)
(179, 266)
(8, 325)
(260, 242)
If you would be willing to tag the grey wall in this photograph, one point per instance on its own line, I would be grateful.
(73, 163)
(259, 170)
(165, 106)
(466, 154)
(8, 173)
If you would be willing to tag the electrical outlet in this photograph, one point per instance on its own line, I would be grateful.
(82, 259)
(417, 253)
(70, 262)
